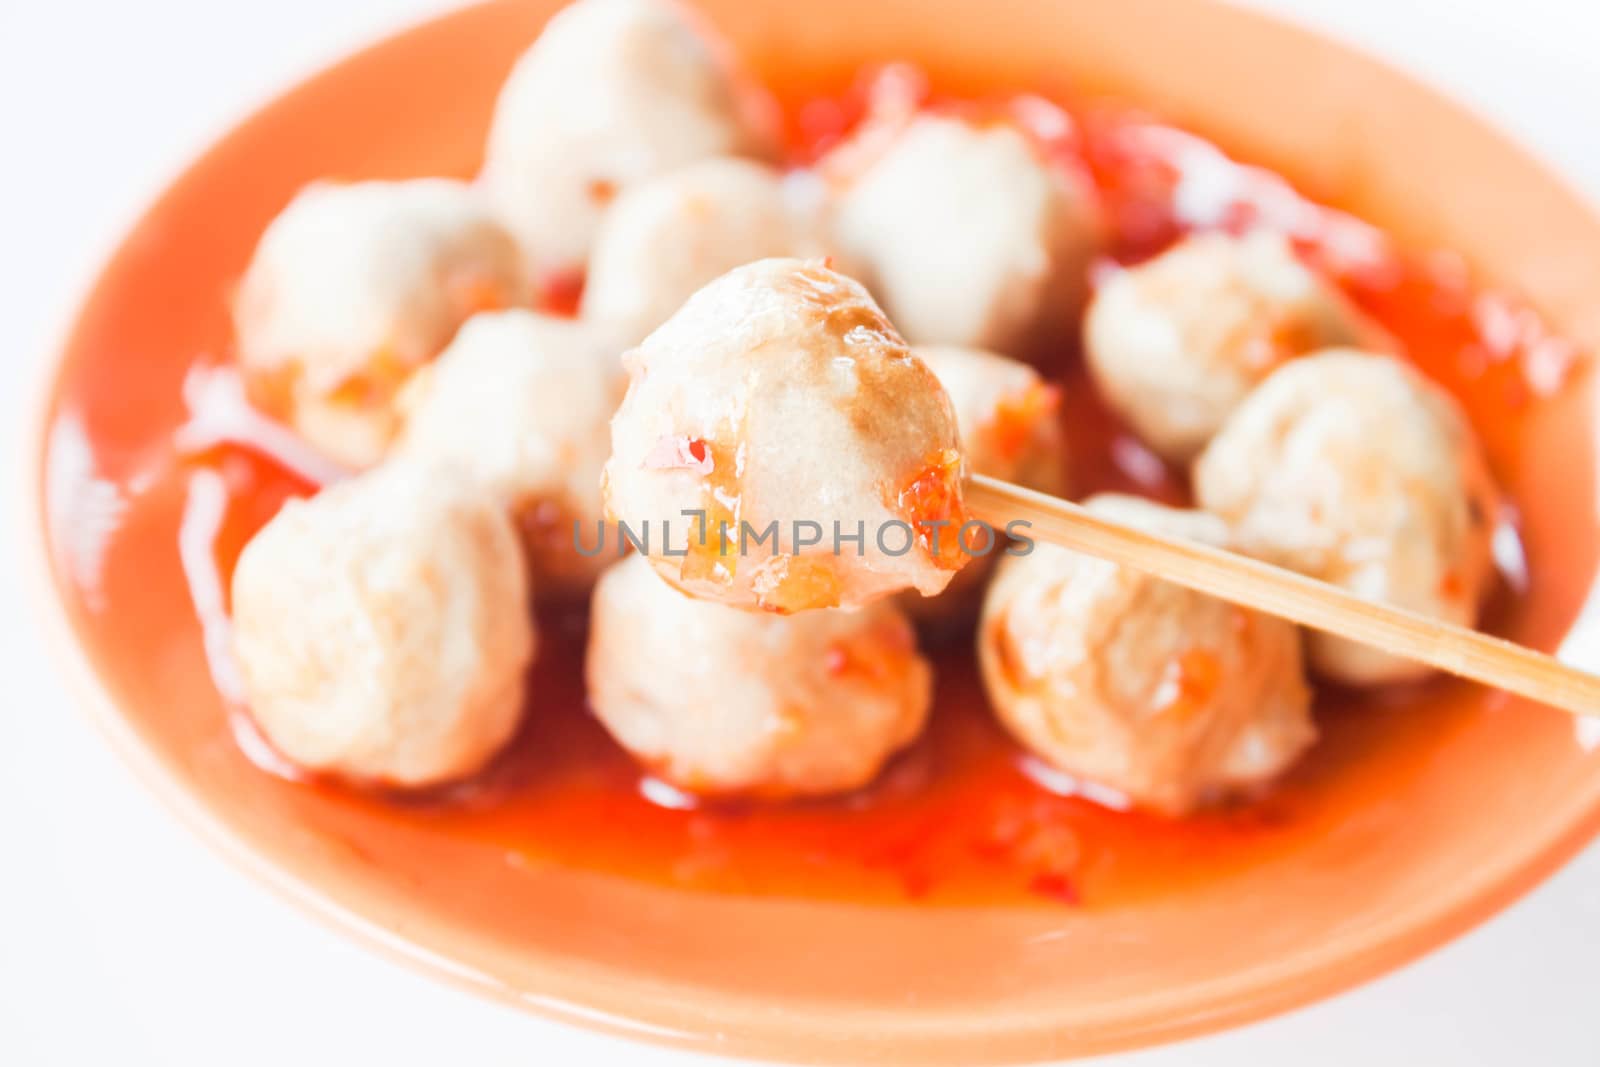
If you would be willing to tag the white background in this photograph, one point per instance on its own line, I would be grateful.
(122, 940)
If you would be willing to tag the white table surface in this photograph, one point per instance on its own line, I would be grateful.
(123, 940)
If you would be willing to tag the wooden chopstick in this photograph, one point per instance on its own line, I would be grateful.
(1251, 583)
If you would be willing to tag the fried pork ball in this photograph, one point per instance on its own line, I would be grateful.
(719, 701)
(1006, 414)
(1175, 343)
(1170, 697)
(354, 286)
(968, 236)
(522, 402)
(1353, 468)
(612, 92)
(780, 402)
(665, 237)
(381, 627)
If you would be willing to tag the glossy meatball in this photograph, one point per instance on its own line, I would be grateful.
(666, 237)
(780, 402)
(381, 627)
(719, 701)
(612, 92)
(522, 403)
(1167, 696)
(351, 289)
(1175, 343)
(1353, 468)
(968, 236)
(1007, 416)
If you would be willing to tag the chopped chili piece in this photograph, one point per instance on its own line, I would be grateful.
(933, 495)
(681, 453)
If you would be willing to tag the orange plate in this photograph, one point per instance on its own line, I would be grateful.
(1411, 851)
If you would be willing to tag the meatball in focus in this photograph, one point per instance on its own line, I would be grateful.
(1355, 469)
(612, 92)
(968, 236)
(780, 403)
(666, 237)
(351, 289)
(1168, 696)
(382, 627)
(522, 402)
(1175, 343)
(719, 701)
